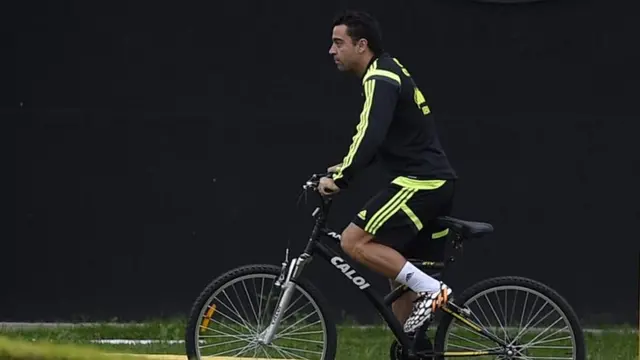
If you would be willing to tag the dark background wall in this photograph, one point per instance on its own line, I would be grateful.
(158, 145)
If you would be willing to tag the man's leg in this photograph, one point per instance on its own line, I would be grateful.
(387, 217)
(385, 260)
(403, 305)
(429, 245)
(389, 262)
(380, 258)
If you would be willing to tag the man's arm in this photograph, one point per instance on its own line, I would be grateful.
(381, 94)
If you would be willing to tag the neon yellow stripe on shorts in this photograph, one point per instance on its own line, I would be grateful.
(412, 216)
(390, 209)
(380, 211)
(418, 184)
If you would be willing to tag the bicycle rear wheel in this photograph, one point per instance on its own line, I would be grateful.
(549, 330)
(229, 318)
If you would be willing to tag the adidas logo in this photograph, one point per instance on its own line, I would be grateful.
(409, 275)
(362, 214)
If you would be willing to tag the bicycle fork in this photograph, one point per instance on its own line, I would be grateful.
(286, 283)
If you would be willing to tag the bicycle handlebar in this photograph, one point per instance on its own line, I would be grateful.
(314, 180)
(325, 201)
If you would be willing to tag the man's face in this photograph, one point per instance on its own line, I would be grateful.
(342, 49)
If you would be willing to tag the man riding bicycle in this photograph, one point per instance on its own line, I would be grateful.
(397, 128)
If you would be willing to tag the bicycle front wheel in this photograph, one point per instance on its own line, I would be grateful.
(229, 318)
(531, 318)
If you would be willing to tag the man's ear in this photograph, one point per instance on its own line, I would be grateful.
(362, 45)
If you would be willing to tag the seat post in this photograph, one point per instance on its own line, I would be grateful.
(457, 242)
(457, 245)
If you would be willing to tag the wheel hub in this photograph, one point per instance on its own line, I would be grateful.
(511, 353)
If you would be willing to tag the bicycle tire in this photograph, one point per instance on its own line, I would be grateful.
(487, 284)
(210, 289)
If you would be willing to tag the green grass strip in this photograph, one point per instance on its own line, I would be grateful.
(16, 349)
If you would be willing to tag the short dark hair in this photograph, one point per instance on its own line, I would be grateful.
(361, 25)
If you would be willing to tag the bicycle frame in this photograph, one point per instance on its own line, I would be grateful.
(383, 304)
(290, 272)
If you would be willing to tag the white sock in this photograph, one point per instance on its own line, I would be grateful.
(417, 280)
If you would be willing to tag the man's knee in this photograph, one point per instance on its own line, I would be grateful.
(352, 239)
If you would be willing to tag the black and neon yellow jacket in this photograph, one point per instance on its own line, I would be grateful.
(396, 127)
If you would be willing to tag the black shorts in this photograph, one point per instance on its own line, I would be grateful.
(402, 216)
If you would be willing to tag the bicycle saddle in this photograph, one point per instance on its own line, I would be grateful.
(468, 229)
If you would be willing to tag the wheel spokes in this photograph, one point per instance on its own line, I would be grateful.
(243, 311)
(539, 332)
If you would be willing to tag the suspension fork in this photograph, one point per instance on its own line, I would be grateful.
(292, 271)
(287, 284)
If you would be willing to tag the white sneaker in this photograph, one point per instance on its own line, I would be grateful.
(425, 306)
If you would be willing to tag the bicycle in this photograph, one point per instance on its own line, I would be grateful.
(287, 279)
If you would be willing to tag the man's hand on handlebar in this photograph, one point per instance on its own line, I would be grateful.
(326, 186)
